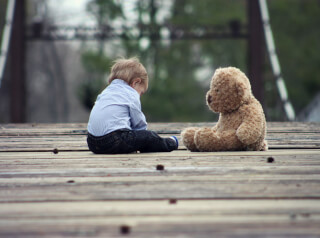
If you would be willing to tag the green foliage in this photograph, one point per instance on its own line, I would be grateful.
(176, 90)
(104, 10)
(98, 65)
(88, 91)
(3, 8)
(95, 62)
(297, 34)
(174, 93)
(208, 12)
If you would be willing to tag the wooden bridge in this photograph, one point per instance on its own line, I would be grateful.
(52, 186)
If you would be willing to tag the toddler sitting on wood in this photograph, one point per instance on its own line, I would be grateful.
(117, 124)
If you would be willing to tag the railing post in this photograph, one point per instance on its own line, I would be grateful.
(17, 65)
(255, 49)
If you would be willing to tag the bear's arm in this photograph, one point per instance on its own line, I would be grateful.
(252, 123)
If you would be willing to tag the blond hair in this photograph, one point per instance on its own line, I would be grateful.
(128, 70)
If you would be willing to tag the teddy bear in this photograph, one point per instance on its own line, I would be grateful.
(241, 125)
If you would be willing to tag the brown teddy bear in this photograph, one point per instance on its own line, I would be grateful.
(242, 123)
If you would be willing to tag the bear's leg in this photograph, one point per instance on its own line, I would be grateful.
(230, 141)
(206, 139)
(260, 145)
(209, 140)
(187, 136)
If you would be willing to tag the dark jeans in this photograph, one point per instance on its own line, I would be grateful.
(126, 141)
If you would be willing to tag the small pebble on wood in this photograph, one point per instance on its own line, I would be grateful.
(125, 229)
(270, 159)
(160, 167)
(173, 201)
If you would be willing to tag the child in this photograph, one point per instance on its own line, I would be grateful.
(117, 124)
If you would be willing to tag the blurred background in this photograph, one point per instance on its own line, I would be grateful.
(61, 51)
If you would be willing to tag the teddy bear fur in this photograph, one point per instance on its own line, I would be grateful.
(241, 124)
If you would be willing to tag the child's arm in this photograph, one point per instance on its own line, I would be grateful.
(137, 119)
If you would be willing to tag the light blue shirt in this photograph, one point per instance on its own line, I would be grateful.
(117, 107)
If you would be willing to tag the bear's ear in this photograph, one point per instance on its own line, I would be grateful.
(243, 90)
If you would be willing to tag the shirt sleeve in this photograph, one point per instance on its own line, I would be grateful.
(137, 118)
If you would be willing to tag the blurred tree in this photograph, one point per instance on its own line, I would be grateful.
(183, 68)
(96, 65)
(297, 33)
(95, 61)
(3, 8)
(180, 70)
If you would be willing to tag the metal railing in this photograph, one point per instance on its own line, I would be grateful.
(6, 37)
(288, 108)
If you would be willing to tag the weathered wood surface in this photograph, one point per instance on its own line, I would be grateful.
(215, 218)
(165, 128)
(72, 137)
(74, 193)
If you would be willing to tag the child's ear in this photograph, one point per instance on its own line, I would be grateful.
(136, 81)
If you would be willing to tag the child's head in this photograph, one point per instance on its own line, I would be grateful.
(129, 70)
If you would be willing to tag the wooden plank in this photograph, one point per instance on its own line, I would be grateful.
(159, 207)
(36, 129)
(78, 171)
(270, 136)
(43, 160)
(220, 194)
(154, 226)
(163, 128)
(158, 178)
(289, 127)
(206, 227)
(46, 137)
(205, 218)
(25, 143)
(78, 142)
(135, 177)
(179, 154)
(181, 167)
(34, 181)
(125, 185)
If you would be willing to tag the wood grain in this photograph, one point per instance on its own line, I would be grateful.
(71, 192)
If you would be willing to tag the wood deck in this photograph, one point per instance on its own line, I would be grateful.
(52, 186)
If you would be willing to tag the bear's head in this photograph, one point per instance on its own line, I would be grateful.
(229, 89)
